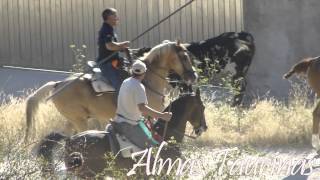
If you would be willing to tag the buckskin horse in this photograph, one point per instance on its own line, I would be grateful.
(310, 67)
(230, 51)
(84, 153)
(78, 101)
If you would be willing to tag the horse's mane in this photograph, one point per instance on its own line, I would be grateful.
(156, 52)
(179, 101)
(73, 76)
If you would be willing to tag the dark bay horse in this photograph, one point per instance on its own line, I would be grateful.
(85, 152)
(230, 51)
(78, 102)
(310, 67)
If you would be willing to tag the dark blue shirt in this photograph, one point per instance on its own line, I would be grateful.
(106, 35)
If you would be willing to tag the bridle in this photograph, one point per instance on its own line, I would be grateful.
(186, 71)
(199, 130)
(146, 84)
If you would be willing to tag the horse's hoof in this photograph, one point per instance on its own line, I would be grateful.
(75, 160)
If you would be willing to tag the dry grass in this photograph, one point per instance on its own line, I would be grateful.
(265, 123)
(12, 118)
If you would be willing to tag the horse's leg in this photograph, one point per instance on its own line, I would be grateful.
(76, 114)
(68, 129)
(79, 121)
(315, 127)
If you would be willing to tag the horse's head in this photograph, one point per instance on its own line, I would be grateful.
(180, 63)
(197, 118)
(187, 108)
(173, 57)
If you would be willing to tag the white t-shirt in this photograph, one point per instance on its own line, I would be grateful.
(132, 92)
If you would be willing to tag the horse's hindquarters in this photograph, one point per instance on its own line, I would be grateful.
(78, 102)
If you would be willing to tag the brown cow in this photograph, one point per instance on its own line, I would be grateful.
(310, 67)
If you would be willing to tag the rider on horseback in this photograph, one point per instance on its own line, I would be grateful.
(108, 45)
(132, 103)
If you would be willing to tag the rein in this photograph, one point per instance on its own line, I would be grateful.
(158, 75)
(174, 130)
(166, 123)
(177, 132)
(184, 134)
(152, 90)
(155, 73)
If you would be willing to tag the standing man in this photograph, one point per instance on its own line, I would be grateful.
(132, 103)
(108, 44)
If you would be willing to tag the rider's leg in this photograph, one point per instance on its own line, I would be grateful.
(135, 134)
(112, 74)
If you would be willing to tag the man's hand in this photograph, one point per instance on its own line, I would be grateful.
(117, 46)
(146, 110)
(166, 116)
(125, 45)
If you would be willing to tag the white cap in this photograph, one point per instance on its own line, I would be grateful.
(138, 67)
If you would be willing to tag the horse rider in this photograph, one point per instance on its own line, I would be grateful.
(108, 44)
(132, 104)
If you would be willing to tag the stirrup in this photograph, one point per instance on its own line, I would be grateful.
(99, 94)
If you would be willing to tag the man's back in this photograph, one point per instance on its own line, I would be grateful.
(106, 35)
(131, 93)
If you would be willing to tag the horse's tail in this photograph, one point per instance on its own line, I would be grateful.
(33, 102)
(46, 147)
(299, 68)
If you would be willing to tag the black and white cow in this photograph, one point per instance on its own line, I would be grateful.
(231, 50)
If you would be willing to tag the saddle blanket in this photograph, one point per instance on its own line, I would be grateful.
(99, 83)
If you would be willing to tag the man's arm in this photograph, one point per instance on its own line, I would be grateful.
(145, 109)
(117, 46)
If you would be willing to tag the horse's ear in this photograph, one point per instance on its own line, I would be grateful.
(198, 92)
(178, 42)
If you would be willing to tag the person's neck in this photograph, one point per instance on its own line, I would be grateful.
(108, 24)
(137, 78)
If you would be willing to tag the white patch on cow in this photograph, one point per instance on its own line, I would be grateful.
(165, 41)
(249, 38)
(217, 47)
(245, 69)
(226, 58)
(231, 68)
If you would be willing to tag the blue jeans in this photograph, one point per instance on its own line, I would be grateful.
(112, 74)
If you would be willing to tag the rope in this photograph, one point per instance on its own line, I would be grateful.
(107, 58)
(166, 124)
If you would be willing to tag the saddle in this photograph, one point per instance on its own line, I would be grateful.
(99, 83)
(119, 143)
